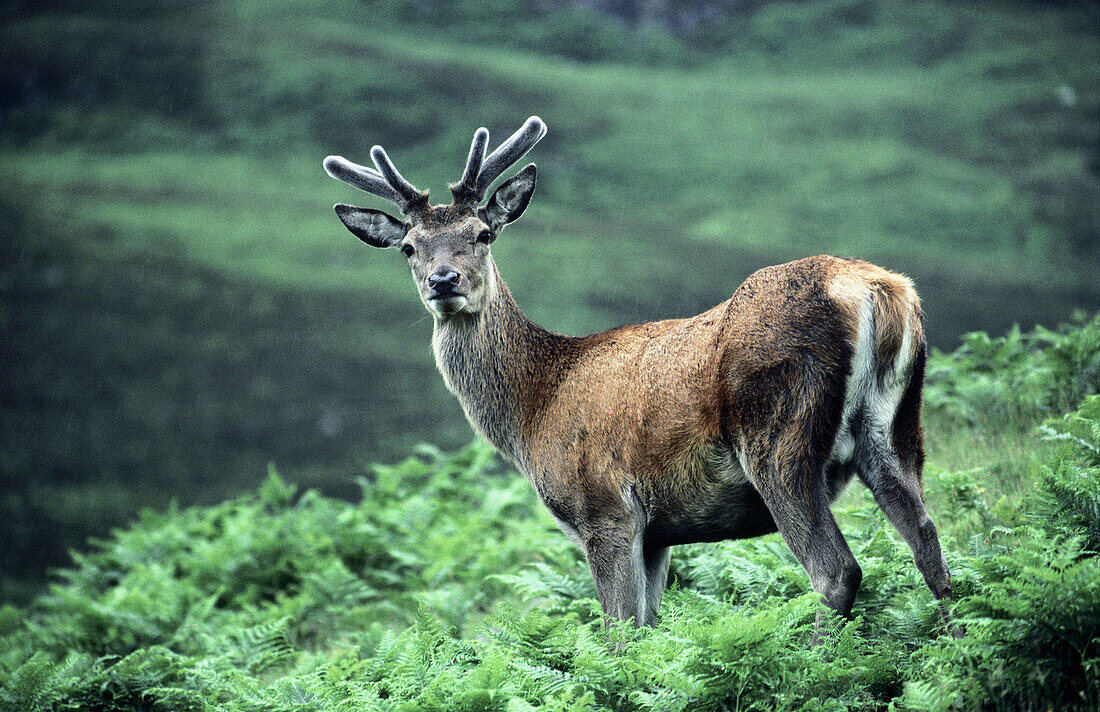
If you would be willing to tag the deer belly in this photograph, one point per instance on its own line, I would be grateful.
(726, 510)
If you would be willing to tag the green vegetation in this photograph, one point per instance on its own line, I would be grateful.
(448, 587)
(1019, 375)
(179, 307)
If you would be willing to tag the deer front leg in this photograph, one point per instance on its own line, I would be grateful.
(615, 556)
(656, 577)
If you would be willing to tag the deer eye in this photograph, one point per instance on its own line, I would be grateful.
(485, 236)
(407, 250)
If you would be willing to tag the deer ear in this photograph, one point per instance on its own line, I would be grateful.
(510, 199)
(373, 227)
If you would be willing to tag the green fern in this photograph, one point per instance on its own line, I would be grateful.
(1018, 377)
(1071, 482)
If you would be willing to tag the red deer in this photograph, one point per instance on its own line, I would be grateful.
(746, 419)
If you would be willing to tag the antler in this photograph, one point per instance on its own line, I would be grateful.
(385, 182)
(481, 171)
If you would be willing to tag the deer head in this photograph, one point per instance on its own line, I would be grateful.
(447, 246)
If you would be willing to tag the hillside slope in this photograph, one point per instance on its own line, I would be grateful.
(179, 306)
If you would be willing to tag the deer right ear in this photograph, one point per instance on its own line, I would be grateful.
(373, 227)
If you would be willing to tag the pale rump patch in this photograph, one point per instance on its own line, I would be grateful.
(885, 322)
(897, 307)
(849, 291)
(861, 379)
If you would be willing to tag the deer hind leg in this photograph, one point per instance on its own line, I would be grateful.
(797, 497)
(898, 493)
(895, 483)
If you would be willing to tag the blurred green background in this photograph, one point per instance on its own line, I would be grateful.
(179, 307)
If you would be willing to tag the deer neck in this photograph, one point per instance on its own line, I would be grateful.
(500, 365)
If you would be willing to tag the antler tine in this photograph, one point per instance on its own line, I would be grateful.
(477, 157)
(362, 178)
(403, 187)
(509, 152)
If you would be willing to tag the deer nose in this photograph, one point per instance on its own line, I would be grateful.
(444, 279)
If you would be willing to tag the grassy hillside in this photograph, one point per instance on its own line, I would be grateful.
(180, 307)
(448, 587)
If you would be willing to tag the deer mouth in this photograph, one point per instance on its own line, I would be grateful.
(447, 303)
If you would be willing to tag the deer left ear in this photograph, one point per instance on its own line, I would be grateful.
(510, 199)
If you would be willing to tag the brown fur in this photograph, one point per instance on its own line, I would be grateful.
(655, 420)
(640, 400)
(745, 419)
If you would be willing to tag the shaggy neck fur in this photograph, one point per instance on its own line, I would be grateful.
(502, 367)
